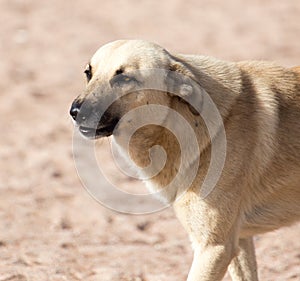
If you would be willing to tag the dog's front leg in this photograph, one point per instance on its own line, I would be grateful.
(210, 262)
(243, 266)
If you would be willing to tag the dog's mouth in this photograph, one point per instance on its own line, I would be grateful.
(100, 131)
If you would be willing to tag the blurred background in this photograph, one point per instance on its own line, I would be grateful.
(50, 228)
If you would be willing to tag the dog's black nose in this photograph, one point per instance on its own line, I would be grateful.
(75, 108)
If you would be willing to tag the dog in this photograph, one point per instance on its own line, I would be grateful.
(258, 189)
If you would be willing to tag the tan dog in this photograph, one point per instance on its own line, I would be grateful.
(259, 102)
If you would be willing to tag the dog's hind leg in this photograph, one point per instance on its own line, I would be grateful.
(243, 266)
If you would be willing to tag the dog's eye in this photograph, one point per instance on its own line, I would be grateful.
(121, 79)
(88, 73)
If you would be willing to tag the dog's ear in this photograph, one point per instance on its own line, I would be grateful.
(181, 82)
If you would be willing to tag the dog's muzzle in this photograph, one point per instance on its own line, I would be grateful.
(88, 121)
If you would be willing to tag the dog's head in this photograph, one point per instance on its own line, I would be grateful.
(124, 75)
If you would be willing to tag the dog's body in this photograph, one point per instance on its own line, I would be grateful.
(259, 188)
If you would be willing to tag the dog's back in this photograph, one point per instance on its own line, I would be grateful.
(276, 193)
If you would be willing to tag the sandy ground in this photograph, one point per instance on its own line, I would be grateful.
(50, 228)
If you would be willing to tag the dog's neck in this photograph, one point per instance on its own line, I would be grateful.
(146, 139)
(178, 162)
